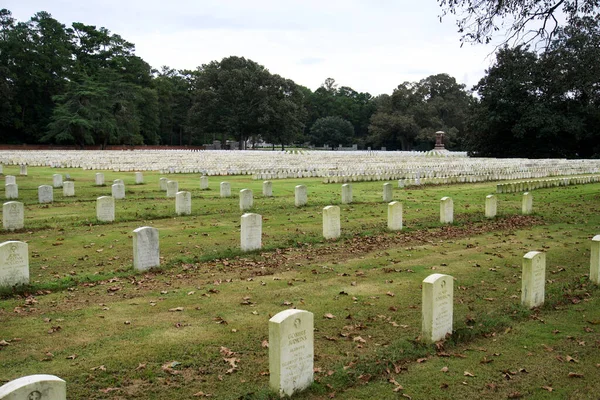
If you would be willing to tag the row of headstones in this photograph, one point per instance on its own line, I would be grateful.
(13, 215)
(327, 163)
(545, 183)
(146, 243)
(291, 332)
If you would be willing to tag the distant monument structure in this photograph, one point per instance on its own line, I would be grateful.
(439, 141)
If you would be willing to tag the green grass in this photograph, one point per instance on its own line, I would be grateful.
(116, 331)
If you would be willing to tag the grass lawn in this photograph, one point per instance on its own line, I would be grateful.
(113, 333)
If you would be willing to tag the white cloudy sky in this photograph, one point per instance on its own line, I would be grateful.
(369, 45)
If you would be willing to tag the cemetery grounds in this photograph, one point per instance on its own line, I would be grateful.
(198, 326)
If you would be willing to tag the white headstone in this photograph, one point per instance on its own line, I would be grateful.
(172, 188)
(99, 179)
(68, 188)
(35, 387)
(183, 203)
(527, 203)
(491, 206)
(225, 189)
(13, 216)
(118, 191)
(331, 222)
(246, 199)
(267, 189)
(300, 196)
(14, 264)
(11, 191)
(139, 178)
(23, 169)
(105, 208)
(45, 194)
(533, 279)
(145, 248)
(446, 210)
(163, 184)
(395, 216)
(438, 292)
(8, 179)
(401, 183)
(57, 180)
(251, 232)
(387, 192)
(203, 182)
(346, 193)
(595, 260)
(118, 182)
(291, 351)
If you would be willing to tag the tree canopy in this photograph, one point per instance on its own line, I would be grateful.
(524, 20)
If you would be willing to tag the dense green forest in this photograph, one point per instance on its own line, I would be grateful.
(82, 85)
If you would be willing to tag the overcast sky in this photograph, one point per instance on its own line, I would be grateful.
(369, 45)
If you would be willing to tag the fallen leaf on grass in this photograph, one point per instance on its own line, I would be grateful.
(467, 373)
(176, 309)
(548, 388)
(359, 339)
(264, 344)
(390, 294)
(329, 316)
(421, 360)
(571, 359)
(515, 395)
(72, 357)
(225, 352)
(108, 390)
(575, 375)
(444, 369)
(4, 343)
(168, 367)
(202, 394)
(99, 368)
(395, 383)
(141, 366)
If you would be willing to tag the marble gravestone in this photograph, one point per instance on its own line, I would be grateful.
(8, 179)
(183, 203)
(23, 169)
(491, 206)
(446, 210)
(251, 232)
(346, 193)
(11, 191)
(331, 222)
(118, 182)
(300, 196)
(35, 387)
(437, 307)
(203, 182)
(225, 189)
(105, 208)
(291, 351)
(57, 180)
(14, 264)
(387, 192)
(172, 188)
(267, 189)
(163, 184)
(45, 194)
(394, 216)
(69, 189)
(595, 260)
(118, 191)
(527, 203)
(13, 215)
(145, 248)
(533, 279)
(246, 199)
(99, 179)
(139, 178)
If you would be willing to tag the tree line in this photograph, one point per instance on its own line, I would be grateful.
(84, 85)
